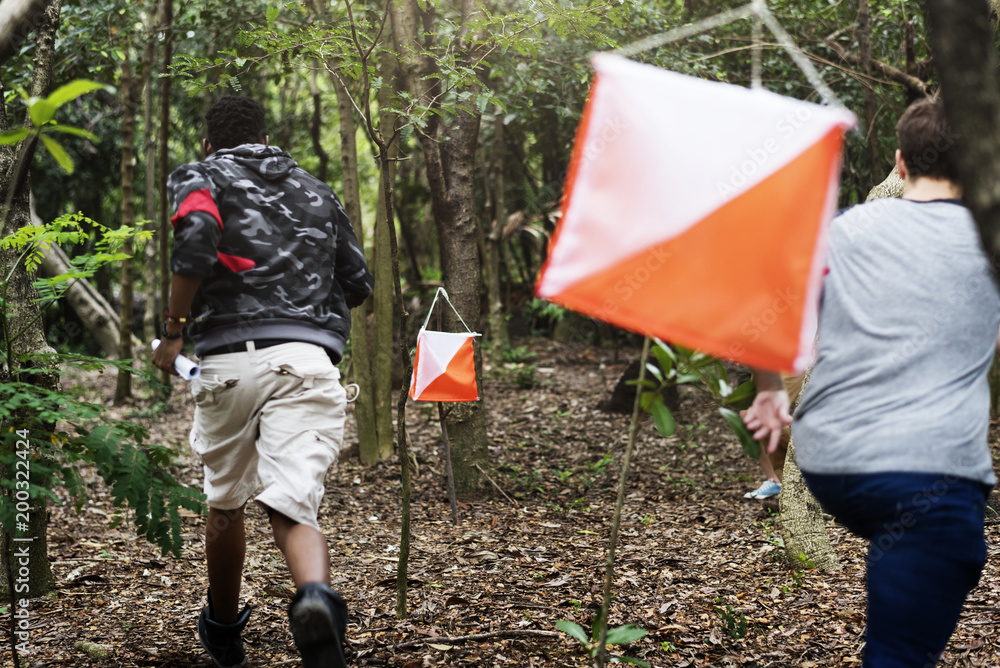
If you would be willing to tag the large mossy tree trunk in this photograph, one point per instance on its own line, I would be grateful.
(450, 172)
(23, 308)
(449, 147)
(803, 529)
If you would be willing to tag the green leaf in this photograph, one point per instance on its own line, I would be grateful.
(59, 153)
(750, 446)
(664, 358)
(663, 419)
(741, 398)
(272, 13)
(573, 629)
(13, 136)
(629, 659)
(646, 382)
(655, 371)
(41, 111)
(648, 399)
(621, 635)
(71, 91)
(70, 130)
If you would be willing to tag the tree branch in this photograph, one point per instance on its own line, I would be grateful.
(894, 74)
(480, 637)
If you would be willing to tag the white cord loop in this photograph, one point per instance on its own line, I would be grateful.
(442, 291)
(756, 9)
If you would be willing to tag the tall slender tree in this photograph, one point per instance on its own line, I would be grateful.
(166, 24)
(123, 388)
(150, 264)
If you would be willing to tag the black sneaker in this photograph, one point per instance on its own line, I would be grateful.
(318, 617)
(223, 642)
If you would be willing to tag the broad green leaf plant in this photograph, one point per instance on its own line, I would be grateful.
(620, 635)
(680, 366)
(42, 111)
(67, 434)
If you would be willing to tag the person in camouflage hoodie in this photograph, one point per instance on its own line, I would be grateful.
(265, 269)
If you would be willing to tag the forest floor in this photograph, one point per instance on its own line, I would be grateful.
(699, 567)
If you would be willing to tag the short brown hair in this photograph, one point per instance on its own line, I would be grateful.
(926, 141)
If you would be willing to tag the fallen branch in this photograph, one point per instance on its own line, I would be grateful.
(487, 475)
(479, 637)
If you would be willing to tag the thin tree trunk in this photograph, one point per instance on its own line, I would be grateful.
(361, 357)
(382, 359)
(316, 125)
(494, 241)
(22, 304)
(865, 53)
(123, 388)
(407, 219)
(165, 21)
(149, 253)
(375, 441)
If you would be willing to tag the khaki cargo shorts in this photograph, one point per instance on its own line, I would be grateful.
(271, 417)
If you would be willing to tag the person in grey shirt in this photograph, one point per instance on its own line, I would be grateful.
(891, 434)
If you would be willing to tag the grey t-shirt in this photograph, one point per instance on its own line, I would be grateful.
(907, 329)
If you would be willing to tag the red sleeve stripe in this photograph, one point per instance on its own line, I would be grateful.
(199, 200)
(236, 263)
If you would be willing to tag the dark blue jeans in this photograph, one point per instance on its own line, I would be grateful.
(926, 551)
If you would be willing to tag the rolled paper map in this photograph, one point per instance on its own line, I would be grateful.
(182, 365)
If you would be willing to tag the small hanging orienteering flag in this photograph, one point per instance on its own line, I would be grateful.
(444, 368)
(696, 212)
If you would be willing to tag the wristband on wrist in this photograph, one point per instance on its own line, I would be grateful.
(167, 335)
(173, 318)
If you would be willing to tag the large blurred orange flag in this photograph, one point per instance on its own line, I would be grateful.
(696, 212)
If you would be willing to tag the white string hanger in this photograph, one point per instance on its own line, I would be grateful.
(756, 9)
(442, 292)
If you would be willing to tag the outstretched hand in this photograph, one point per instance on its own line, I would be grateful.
(768, 416)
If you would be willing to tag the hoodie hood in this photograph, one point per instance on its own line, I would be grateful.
(270, 162)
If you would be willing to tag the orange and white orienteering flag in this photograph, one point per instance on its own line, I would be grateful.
(444, 368)
(696, 212)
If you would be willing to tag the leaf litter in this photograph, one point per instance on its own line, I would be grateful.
(699, 567)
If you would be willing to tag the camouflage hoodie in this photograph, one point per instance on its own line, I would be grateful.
(275, 248)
